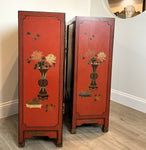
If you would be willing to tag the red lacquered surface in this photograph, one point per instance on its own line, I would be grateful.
(89, 121)
(94, 39)
(30, 134)
(41, 48)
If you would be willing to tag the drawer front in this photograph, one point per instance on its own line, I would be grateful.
(41, 62)
(93, 70)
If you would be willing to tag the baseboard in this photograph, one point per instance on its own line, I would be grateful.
(8, 108)
(129, 100)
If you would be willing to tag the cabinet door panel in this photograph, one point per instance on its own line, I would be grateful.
(41, 61)
(92, 70)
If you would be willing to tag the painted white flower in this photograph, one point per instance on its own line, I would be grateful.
(101, 56)
(51, 59)
(36, 55)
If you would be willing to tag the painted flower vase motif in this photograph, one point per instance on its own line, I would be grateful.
(93, 76)
(43, 82)
(42, 63)
(94, 60)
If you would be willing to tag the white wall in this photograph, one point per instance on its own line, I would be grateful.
(9, 41)
(129, 57)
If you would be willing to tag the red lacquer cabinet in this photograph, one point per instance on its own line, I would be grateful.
(90, 46)
(41, 50)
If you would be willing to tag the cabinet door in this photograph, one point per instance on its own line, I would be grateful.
(41, 68)
(92, 75)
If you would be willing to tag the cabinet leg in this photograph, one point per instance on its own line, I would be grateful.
(21, 144)
(21, 141)
(104, 129)
(73, 128)
(59, 143)
(59, 139)
(105, 126)
(73, 131)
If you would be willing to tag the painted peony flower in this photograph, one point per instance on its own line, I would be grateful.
(36, 55)
(101, 56)
(50, 59)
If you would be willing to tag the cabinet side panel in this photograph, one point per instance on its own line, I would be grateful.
(70, 65)
(41, 53)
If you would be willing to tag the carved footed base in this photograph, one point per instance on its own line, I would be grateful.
(104, 129)
(73, 131)
(59, 143)
(21, 144)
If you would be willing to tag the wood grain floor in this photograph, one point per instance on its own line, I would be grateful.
(127, 131)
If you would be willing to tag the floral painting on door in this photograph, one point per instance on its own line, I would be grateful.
(94, 59)
(43, 64)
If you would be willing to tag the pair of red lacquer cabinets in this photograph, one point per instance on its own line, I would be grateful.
(50, 74)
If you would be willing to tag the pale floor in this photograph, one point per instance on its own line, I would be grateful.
(127, 131)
